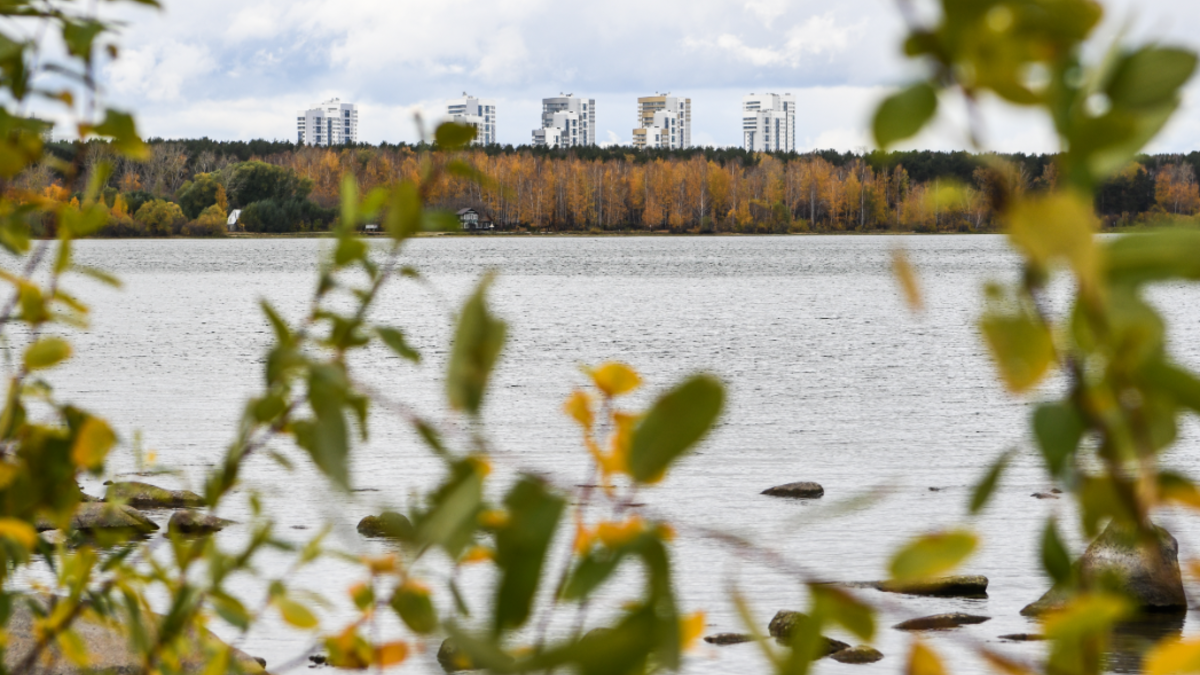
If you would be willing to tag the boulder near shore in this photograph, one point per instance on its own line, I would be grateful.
(783, 627)
(801, 490)
(1146, 568)
(188, 521)
(859, 654)
(963, 586)
(98, 516)
(144, 495)
(387, 525)
(107, 645)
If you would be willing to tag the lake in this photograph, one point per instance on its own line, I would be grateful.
(831, 379)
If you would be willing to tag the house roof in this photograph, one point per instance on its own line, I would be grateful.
(466, 211)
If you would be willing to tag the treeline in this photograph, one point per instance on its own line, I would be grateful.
(282, 187)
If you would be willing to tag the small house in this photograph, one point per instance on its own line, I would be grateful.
(471, 220)
(371, 228)
(234, 216)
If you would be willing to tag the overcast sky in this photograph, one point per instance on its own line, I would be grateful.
(240, 69)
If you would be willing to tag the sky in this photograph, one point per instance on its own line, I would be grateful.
(241, 69)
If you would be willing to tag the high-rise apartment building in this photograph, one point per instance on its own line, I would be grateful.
(769, 122)
(567, 122)
(476, 112)
(664, 121)
(328, 123)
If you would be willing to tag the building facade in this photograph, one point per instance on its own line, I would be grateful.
(769, 122)
(664, 121)
(328, 123)
(567, 122)
(476, 112)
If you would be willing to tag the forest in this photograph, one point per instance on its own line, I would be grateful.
(188, 187)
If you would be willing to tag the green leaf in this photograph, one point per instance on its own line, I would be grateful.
(437, 220)
(403, 219)
(326, 437)
(1151, 76)
(451, 520)
(394, 339)
(47, 353)
(1059, 429)
(987, 486)
(932, 555)
(349, 206)
(521, 547)
(678, 420)
(80, 35)
(453, 136)
(1056, 560)
(477, 344)
(231, 610)
(904, 114)
(121, 128)
(1154, 256)
(844, 609)
(414, 606)
(295, 613)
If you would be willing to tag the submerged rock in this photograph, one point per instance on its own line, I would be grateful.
(783, 628)
(802, 490)
(1147, 572)
(107, 645)
(859, 654)
(194, 522)
(1044, 495)
(389, 524)
(728, 638)
(144, 495)
(967, 586)
(941, 621)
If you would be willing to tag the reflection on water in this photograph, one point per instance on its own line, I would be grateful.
(1132, 639)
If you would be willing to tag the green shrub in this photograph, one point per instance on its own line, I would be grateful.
(160, 217)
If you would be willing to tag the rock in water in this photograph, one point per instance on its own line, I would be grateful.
(1148, 571)
(97, 516)
(107, 646)
(194, 522)
(144, 495)
(972, 586)
(728, 638)
(941, 621)
(388, 524)
(783, 627)
(1023, 637)
(802, 490)
(859, 654)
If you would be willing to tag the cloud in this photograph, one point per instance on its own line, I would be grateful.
(159, 72)
(816, 36)
(767, 10)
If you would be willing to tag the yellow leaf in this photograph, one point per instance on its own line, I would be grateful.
(477, 554)
(690, 629)
(74, 648)
(615, 379)
(47, 353)
(296, 614)
(614, 535)
(391, 654)
(218, 662)
(1173, 657)
(381, 565)
(1004, 664)
(579, 407)
(1085, 615)
(583, 539)
(494, 519)
(18, 531)
(1022, 348)
(923, 661)
(1056, 227)
(932, 555)
(93, 443)
(907, 276)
